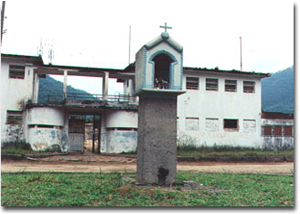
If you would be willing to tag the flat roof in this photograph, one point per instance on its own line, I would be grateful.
(129, 70)
(217, 70)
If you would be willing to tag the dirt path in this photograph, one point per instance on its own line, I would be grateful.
(127, 163)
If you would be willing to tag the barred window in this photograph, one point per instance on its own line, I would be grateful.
(211, 84)
(278, 130)
(230, 85)
(14, 117)
(288, 131)
(192, 83)
(249, 86)
(16, 71)
(267, 130)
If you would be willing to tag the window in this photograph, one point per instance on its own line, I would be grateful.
(211, 84)
(249, 86)
(14, 117)
(231, 124)
(16, 71)
(278, 130)
(192, 83)
(230, 85)
(288, 131)
(267, 131)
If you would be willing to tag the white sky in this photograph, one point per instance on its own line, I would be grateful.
(96, 33)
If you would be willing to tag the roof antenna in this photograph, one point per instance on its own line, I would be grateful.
(40, 48)
(241, 53)
(129, 43)
(51, 53)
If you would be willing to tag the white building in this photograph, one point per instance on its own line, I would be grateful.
(219, 108)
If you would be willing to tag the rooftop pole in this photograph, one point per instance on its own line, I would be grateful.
(241, 53)
(129, 43)
(2, 19)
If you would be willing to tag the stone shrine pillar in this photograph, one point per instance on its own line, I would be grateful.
(158, 81)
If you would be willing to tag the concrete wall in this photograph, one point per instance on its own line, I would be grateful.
(46, 128)
(46, 116)
(273, 141)
(119, 131)
(121, 119)
(121, 141)
(139, 68)
(201, 113)
(14, 95)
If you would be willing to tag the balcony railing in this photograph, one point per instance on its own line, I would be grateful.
(91, 98)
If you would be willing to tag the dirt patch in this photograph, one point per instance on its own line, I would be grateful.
(127, 163)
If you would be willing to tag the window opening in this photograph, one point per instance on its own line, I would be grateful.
(267, 131)
(231, 124)
(192, 83)
(16, 71)
(211, 84)
(288, 131)
(162, 63)
(230, 85)
(249, 86)
(278, 130)
(14, 117)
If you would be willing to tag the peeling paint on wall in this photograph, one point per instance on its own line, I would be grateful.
(14, 133)
(121, 141)
(211, 125)
(192, 124)
(45, 138)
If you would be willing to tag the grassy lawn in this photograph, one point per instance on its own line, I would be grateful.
(192, 151)
(101, 190)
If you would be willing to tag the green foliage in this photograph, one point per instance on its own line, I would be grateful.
(102, 190)
(278, 92)
(49, 86)
(191, 150)
(15, 147)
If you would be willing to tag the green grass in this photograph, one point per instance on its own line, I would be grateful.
(102, 190)
(215, 151)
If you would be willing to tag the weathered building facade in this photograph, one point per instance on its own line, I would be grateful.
(218, 107)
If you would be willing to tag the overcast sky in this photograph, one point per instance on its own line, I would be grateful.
(96, 33)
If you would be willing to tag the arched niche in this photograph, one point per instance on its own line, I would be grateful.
(163, 63)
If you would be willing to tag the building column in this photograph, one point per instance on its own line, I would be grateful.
(105, 85)
(65, 84)
(35, 93)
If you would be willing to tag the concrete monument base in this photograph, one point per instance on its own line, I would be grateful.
(156, 149)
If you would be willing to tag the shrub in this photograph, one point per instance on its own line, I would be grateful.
(21, 144)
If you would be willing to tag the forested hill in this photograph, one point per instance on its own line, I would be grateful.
(49, 86)
(278, 91)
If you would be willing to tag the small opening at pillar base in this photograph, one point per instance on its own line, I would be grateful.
(162, 175)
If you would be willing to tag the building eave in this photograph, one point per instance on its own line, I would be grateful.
(233, 72)
(36, 60)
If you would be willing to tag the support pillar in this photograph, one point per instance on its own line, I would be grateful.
(157, 135)
(65, 84)
(35, 88)
(105, 85)
(99, 134)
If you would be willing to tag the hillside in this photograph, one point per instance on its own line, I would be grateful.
(278, 92)
(49, 86)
